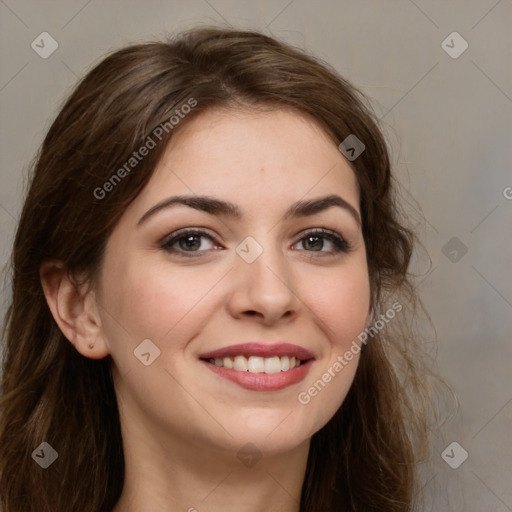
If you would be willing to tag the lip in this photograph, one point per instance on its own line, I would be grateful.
(262, 381)
(262, 350)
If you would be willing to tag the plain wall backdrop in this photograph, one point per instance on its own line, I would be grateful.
(447, 111)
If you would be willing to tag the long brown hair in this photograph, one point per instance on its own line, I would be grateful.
(365, 457)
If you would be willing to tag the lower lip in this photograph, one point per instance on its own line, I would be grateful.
(262, 381)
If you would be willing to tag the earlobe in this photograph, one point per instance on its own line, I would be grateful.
(74, 311)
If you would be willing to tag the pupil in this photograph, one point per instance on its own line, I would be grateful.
(309, 238)
(189, 241)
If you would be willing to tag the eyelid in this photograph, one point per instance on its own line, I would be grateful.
(170, 238)
(342, 246)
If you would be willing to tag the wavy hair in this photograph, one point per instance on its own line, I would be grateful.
(366, 456)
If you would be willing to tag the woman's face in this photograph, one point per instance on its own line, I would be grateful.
(261, 277)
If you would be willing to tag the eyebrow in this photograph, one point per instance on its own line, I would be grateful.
(213, 206)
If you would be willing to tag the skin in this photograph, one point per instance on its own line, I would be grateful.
(182, 424)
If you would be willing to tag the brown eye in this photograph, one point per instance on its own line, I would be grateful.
(313, 241)
(188, 241)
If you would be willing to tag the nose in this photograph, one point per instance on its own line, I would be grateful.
(264, 289)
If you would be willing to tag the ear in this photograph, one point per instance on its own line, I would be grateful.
(75, 312)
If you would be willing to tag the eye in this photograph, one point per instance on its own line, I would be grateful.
(315, 239)
(188, 242)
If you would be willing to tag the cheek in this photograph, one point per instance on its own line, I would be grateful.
(341, 308)
(341, 303)
(150, 301)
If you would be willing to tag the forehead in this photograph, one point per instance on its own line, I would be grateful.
(252, 157)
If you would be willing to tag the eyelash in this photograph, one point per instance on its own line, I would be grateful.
(340, 244)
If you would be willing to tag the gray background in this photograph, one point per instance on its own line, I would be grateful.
(448, 121)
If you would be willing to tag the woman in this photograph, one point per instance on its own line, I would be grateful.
(210, 294)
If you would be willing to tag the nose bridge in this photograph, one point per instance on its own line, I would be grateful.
(263, 276)
(269, 263)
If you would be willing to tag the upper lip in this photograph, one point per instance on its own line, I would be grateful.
(260, 349)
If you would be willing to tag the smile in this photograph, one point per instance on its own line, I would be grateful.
(260, 366)
(257, 364)
(261, 381)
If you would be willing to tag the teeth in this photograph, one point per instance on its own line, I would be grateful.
(240, 364)
(272, 364)
(257, 364)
